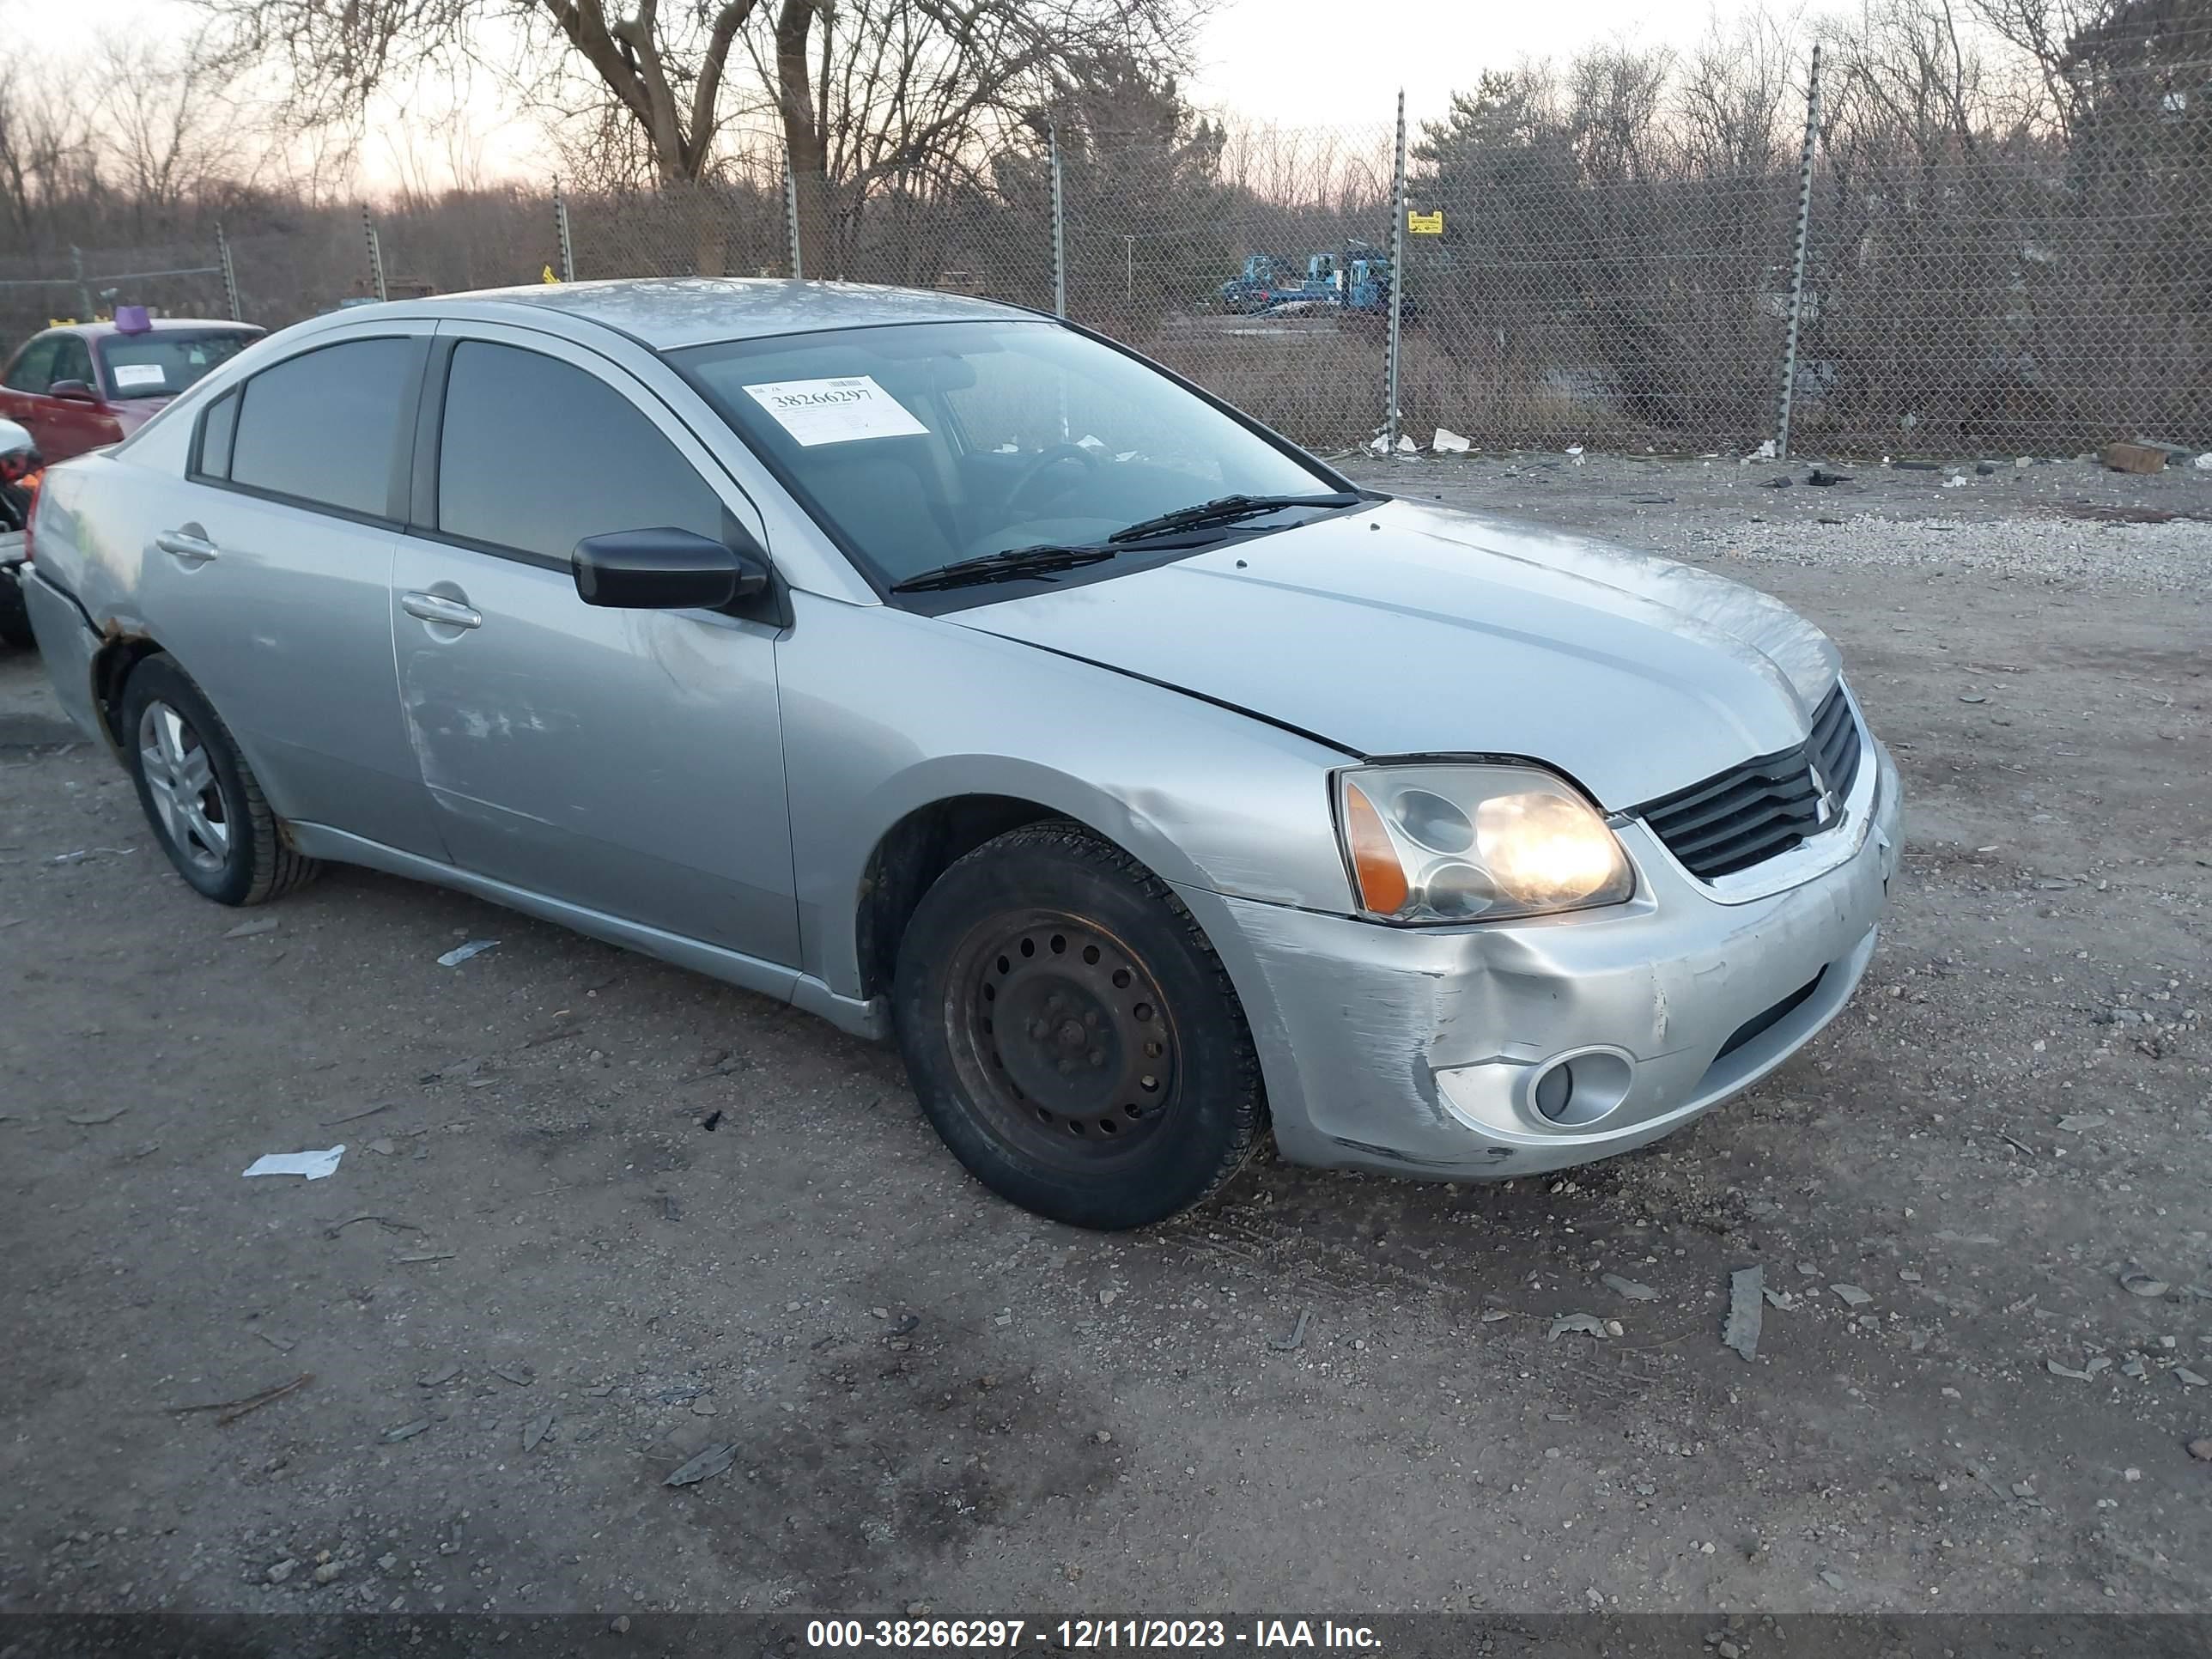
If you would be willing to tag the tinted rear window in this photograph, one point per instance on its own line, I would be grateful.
(536, 454)
(324, 427)
(163, 363)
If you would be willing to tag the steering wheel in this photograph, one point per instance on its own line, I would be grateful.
(1052, 456)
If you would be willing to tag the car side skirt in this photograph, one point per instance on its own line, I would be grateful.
(868, 1018)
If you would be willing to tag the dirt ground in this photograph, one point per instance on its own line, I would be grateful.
(595, 1215)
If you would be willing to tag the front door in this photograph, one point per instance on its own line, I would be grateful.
(630, 762)
(61, 426)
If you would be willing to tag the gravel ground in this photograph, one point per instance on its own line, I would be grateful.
(596, 1215)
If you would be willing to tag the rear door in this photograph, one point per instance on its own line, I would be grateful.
(268, 575)
(630, 762)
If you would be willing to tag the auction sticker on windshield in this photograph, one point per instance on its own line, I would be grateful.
(138, 375)
(836, 411)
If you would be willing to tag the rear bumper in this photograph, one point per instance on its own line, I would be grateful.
(68, 645)
(1418, 1051)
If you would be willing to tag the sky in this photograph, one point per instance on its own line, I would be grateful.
(1291, 62)
(1313, 62)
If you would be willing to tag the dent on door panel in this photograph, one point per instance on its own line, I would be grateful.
(626, 760)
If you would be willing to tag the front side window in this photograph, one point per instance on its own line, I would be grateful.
(33, 369)
(536, 454)
(163, 363)
(921, 444)
(73, 359)
(324, 427)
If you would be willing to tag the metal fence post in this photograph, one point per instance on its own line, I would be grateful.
(561, 225)
(1804, 235)
(229, 274)
(1059, 230)
(375, 253)
(83, 289)
(791, 214)
(1397, 283)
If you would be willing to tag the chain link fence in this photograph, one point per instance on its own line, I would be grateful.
(1546, 286)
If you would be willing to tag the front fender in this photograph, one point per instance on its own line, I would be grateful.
(886, 712)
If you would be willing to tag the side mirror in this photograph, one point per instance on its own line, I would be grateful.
(666, 570)
(76, 391)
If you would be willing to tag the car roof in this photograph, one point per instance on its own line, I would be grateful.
(664, 312)
(157, 325)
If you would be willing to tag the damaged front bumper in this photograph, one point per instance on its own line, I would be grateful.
(1484, 1053)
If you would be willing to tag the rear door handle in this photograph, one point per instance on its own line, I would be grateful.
(437, 608)
(189, 544)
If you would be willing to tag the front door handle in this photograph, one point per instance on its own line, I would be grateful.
(190, 544)
(437, 608)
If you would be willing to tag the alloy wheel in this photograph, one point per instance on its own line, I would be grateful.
(187, 794)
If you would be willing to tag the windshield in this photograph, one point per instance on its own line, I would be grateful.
(163, 363)
(922, 444)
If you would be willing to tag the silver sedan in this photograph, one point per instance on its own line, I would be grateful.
(959, 676)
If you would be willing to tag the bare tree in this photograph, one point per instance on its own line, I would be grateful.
(166, 119)
(1615, 98)
(1910, 77)
(2046, 30)
(859, 90)
(1729, 97)
(45, 148)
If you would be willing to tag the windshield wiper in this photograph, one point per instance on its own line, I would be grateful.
(1227, 509)
(1009, 566)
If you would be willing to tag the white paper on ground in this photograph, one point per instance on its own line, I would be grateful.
(836, 411)
(1449, 442)
(461, 953)
(313, 1165)
(138, 375)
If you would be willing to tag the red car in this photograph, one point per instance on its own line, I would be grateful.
(89, 383)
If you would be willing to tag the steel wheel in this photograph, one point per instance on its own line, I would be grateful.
(187, 795)
(1072, 1034)
(1060, 1033)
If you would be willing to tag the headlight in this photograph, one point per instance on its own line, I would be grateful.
(1475, 843)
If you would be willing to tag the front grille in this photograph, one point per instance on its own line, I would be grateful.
(1751, 812)
(1834, 744)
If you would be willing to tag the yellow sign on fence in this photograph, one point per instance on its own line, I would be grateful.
(1424, 224)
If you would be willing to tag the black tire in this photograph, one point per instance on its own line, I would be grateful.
(1071, 1035)
(234, 850)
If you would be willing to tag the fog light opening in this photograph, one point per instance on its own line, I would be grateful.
(1555, 1092)
(1580, 1089)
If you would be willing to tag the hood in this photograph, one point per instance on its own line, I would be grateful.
(1408, 629)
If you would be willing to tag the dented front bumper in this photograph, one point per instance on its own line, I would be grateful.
(1420, 1050)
